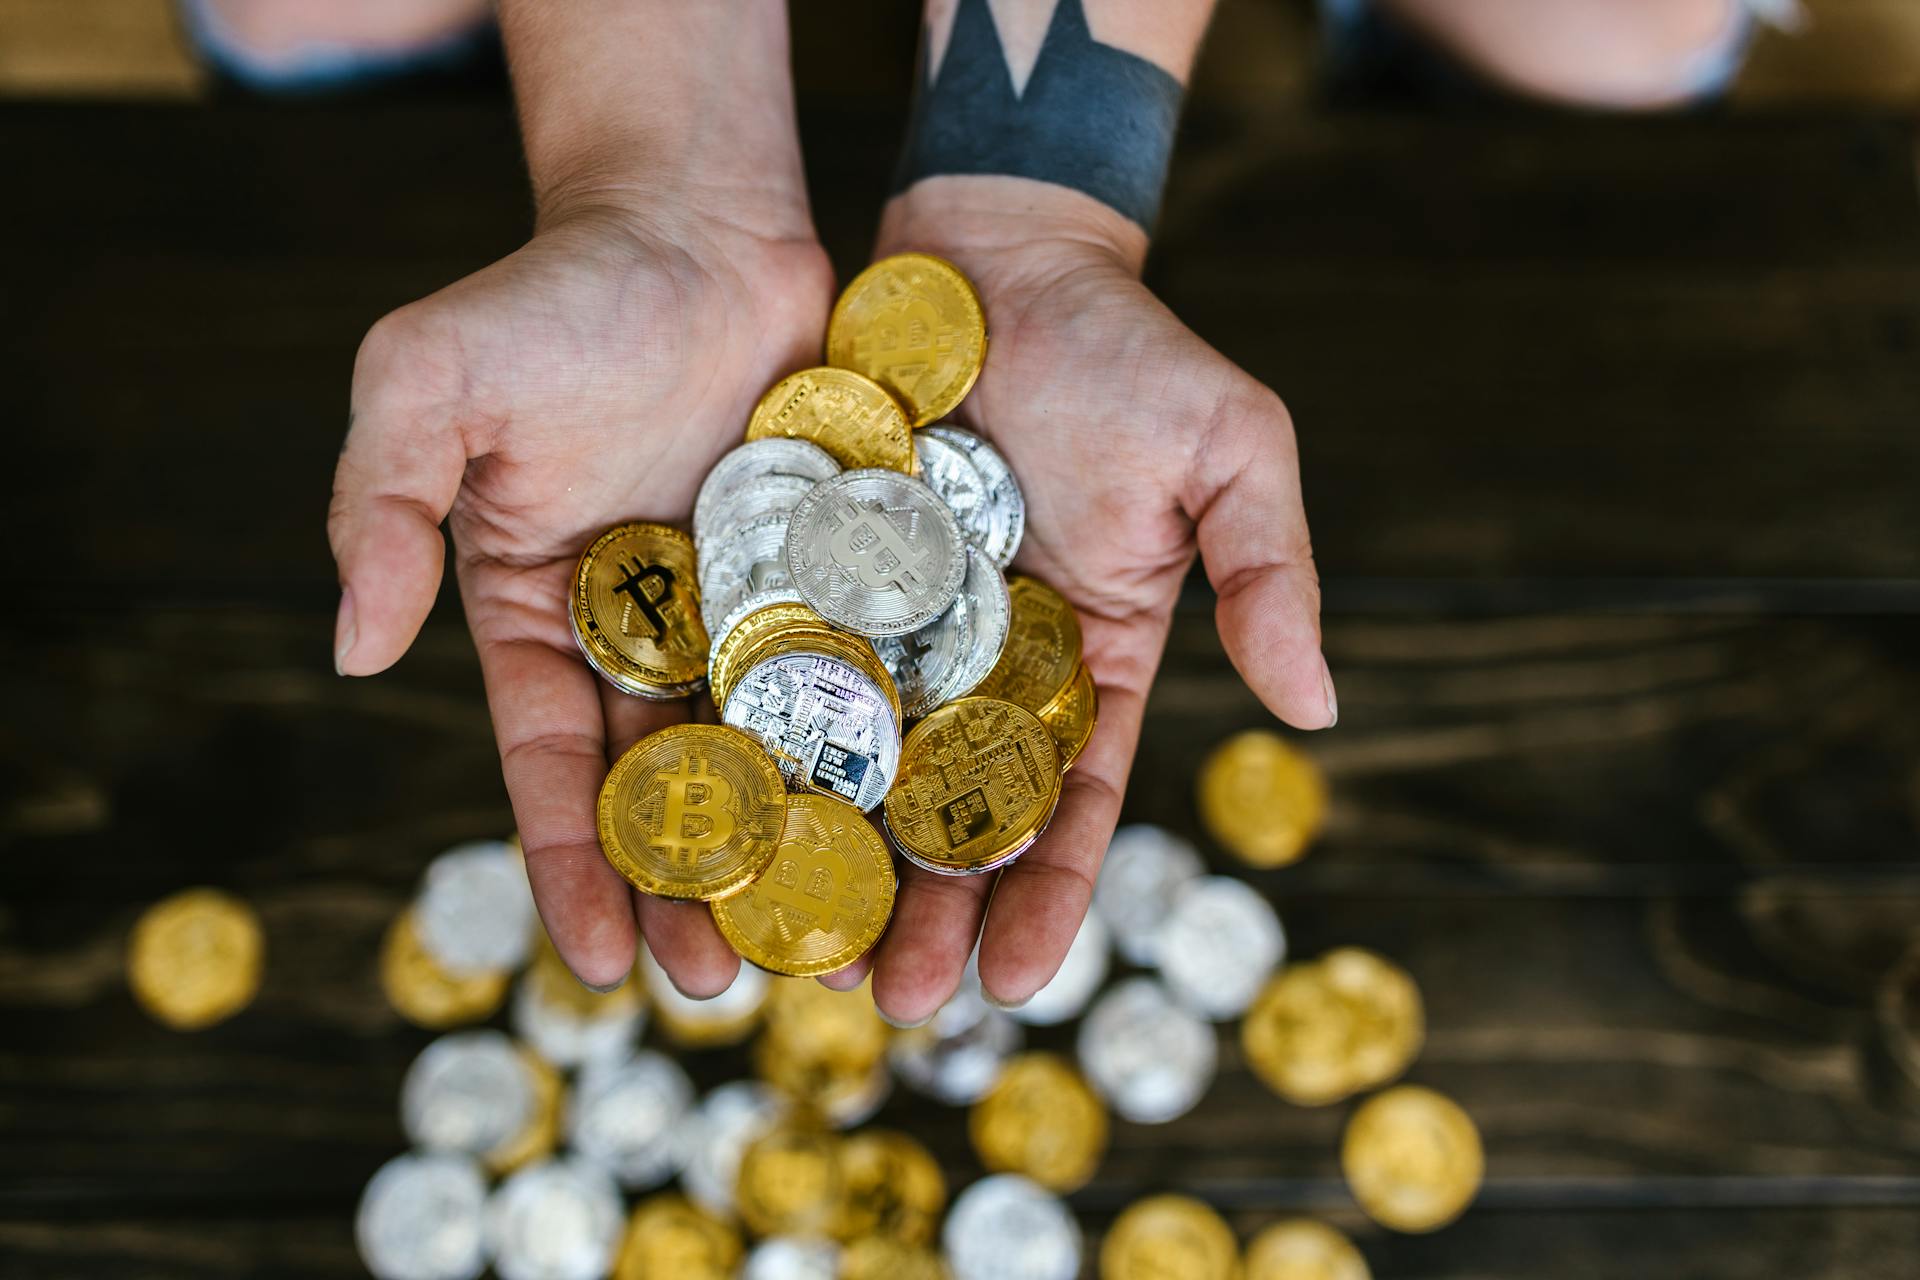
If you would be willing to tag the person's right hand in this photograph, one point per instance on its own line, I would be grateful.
(590, 378)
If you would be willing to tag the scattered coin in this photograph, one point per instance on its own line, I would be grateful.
(1007, 1227)
(1218, 945)
(828, 725)
(1042, 652)
(978, 783)
(195, 958)
(668, 1238)
(1080, 975)
(1169, 1235)
(541, 1132)
(1262, 799)
(1303, 1249)
(875, 552)
(627, 1117)
(1144, 867)
(789, 1182)
(1412, 1159)
(424, 993)
(891, 1187)
(636, 611)
(692, 811)
(792, 1258)
(978, 487)
(850, 416)
(727, 1018)
(1150, 1059)
(475, 911)
(468, 1091)
(714, 1135)
(1070, 717)
(557, 1220)
(420, 1219)
(570, 1025)
(1326, 1029)
(747, 465)
(956, 1057)
(1041, 1119)
(880, 1258)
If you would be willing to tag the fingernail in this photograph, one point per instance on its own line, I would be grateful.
(1006, 1006)
(346, 630)
(1333, 703)
(607, 990)
(898, 1025)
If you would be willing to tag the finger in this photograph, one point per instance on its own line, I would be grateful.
(918, 963)
(394, 484)
(850, 977)
(546, 714)
(1245, 495)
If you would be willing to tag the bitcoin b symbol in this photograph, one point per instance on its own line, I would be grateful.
(867, 543)
(696, 820)
(905, 340)
(805, 882)
(634, 587)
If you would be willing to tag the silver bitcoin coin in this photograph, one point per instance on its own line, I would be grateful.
(1149, 1058)
(469, 1091)
(1008, 1227)
(991, 510)
(568, 1036)
(740, 1001)
(626, 1117)
(752, 559)
(1066, 994)
(557, 1220)
(875, 552)
(475, 912)
(749, 605)
(957, 1057)
(1218, 945)
(1144, 867)
(827, 725)
(717, 1132)
(855, 1107)
(792, 1258)
(419, 1219)
(946, 658)
(989, 615)
(754, 461)
(765, 496)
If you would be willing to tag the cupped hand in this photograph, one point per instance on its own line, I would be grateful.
(590, 378)
(1135, 444)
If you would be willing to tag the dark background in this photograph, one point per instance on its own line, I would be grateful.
(1611, 437)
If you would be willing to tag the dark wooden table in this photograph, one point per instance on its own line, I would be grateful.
(1611, 433)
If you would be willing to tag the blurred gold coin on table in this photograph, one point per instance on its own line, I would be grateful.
(670, 1238)
(424, 993)
(822, 902)
(1042, 652)
(1412, 1158)
(807, 1019)
(1262, 798)
(1041, 1119)
(878, 1258)
(1322, 1030)
(195, 958)
(890, 1186)
(538, 1137)
(851, 416)
(1169, 1238)
(692, 811)
(636, 611)
(1070, 717)
(913, 324)
(789, 1182)
(1303, 1249)
(978, 782)
(1386, 1020)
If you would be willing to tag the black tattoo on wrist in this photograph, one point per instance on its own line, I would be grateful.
(1091, 117)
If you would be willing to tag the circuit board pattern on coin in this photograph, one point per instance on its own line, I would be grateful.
(828, 725)
(1042, 650)
(979, 779)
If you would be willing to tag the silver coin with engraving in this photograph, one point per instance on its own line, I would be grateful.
(792, 1258)
(557, 1220)
(1000, 513)
(1009, 1227)
(753, 558)
(765, 496)
(468, 1091)
(419, 1219)
(717, 1132)
(777, 456)
(854, 1107)
(475, 912)
(990, 614)
(1219, 943)
(946, 658)
(740, 1002)
(569, 1035)
(1148, 1057)
(875, 552)
(627, 1117)
(1066, 994)
(1144, 867)
(956, 1058)
(826, 724)
(749, 605)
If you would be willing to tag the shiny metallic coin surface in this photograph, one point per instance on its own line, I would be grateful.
(668, 1238)
(792, 1258)
(424, 993)
(195, 958)
(468, 1091)
(1262, 798)
(913, 323)
(692, 811)
(1144, 867)
(1008, 1227)
(989, 608)
(1303, 1249)
(827, 725)
(875, 552)
(1169, 1235)
(957, 1062)
(475, 911)
(985, 498)
(727, 1018)
(558, 1220)
(924, 664)
(1042, 651)
(751, 560)
(741, 468)
(849, 415)
(1149, 1058)
(627, 1117)
(891, 1186)
(1219, 943)
(541, 1133)
(750, 604)
(1072, 715)
(789, 1182)
(635, 610)
(1412, 1158)
(714, 1134)
(1043, 1120)
(569, 1025)
(979, 781)
(1080, 975)
(420, 1219)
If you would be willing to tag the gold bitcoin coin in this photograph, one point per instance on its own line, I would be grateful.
(1412, 1159)
(1263, 799)
(1298, 1038)
(878, 1258)
(823, 900)
(1040, 1119)
(1070, 717)
(809, 1021)
(789, 1182)
(978, 782)
(692, 811)
(890, 1186)
(1303, 1249)
(1042, 652)
(1384, 1013)
(541, 1133)
(195, 958)
(850, 416)
(425, 994)
(913, 324)
(1169, 1236)
(636, 611)
(670, 1238)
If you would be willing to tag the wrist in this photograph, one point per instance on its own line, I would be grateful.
(1005, 232)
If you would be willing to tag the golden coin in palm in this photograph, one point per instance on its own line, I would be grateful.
(1262, 798)
(670, 1238)
(1169, 1236)
(1412, 1158)
(1303, 1249)
(890, 1186)
(636, 611)
(1070, 717)
(822, 902)
(850, 416)
(1042, 652)
(913, 324)
(424, 993)
(692, 811)
(1041, 1118)
(979, 779)
(195, 958)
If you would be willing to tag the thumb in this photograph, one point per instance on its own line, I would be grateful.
(396, 481)
(1253, 537)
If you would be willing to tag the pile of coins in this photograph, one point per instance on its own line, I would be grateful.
(843, 597)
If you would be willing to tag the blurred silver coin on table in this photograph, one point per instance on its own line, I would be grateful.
(1066, 994)
(468, 1091)
(1148, 1057)
(739, 1003)
(985, 498)
(1219, 943)
(792, 1258)
(715, 1133)
(419, 1219)
(627, 1117)
(956, 1058)
(557, 1220)
(875, 552)
(826, 724)
(475, 912)
(855, 1107)
(776, 458)
(1008, 1227)
(1144, 867)
(751, 558)
(570, 1032)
